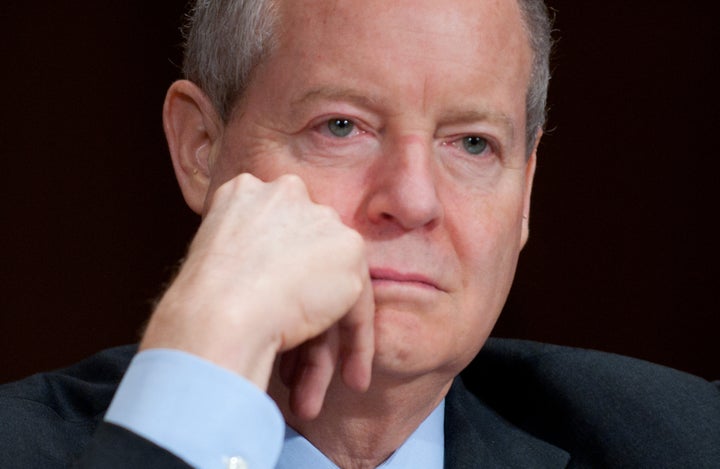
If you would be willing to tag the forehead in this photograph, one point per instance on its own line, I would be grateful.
(413, 55)
(474, 24)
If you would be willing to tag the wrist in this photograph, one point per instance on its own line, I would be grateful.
(235, 341)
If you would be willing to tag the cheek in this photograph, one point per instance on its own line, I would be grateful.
(251, 148)
(487, 242)
(341, 189)
(488, 258)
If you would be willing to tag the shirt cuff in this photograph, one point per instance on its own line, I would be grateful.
(201, 412)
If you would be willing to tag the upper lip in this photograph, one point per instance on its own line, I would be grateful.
(382, 273)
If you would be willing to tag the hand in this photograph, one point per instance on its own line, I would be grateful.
(269, 271)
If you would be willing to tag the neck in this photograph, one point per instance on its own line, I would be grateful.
(361, 430)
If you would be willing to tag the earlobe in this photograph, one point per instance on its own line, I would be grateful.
(529, 176)
(193, 130)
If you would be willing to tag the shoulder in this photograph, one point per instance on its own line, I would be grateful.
(600, 407)
(49, 417)
(560, 364)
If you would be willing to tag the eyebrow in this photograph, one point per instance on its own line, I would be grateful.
(331, 93)
(337, 94)
(500, 119)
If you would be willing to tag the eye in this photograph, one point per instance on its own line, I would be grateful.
(474, 145)
(340, 127)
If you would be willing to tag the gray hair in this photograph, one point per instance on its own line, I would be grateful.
(539, 30)
(226, 39)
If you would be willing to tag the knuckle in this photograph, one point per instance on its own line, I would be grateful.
(244, 181)
(356, 286)
(353, 247)
(223, 190)
(324, 211)
(355, 241)
(290, 186)
(291, 181)
(237, 184)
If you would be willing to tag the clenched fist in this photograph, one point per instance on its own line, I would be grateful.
(268, 272)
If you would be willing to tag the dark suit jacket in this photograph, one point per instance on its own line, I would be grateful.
(519, 405)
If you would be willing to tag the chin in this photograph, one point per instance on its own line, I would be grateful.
(407, 346)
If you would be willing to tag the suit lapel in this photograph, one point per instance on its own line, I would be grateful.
(477, 437)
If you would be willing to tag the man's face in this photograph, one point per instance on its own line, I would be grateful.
(408, 118)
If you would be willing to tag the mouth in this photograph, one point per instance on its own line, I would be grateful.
(383, 276)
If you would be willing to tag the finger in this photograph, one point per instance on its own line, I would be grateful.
(314, 370)
(357, 338)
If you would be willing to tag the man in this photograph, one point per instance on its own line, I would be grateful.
(364, 174)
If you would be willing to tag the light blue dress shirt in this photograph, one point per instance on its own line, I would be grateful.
(213, 418)
(424, 448)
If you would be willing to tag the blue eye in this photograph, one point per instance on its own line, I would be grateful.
(474, 145)
(340, 127)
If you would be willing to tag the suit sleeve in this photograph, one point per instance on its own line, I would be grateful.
(114, 447)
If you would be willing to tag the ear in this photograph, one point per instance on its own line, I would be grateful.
(193, 129)
(529, 176)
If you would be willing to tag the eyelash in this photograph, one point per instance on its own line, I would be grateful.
(322, 127)
(458, 143)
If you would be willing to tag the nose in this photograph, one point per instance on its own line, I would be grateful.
(404, 188)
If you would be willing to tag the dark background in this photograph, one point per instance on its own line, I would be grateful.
(622, 256)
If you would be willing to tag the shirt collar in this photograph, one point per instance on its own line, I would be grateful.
(425, 448)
